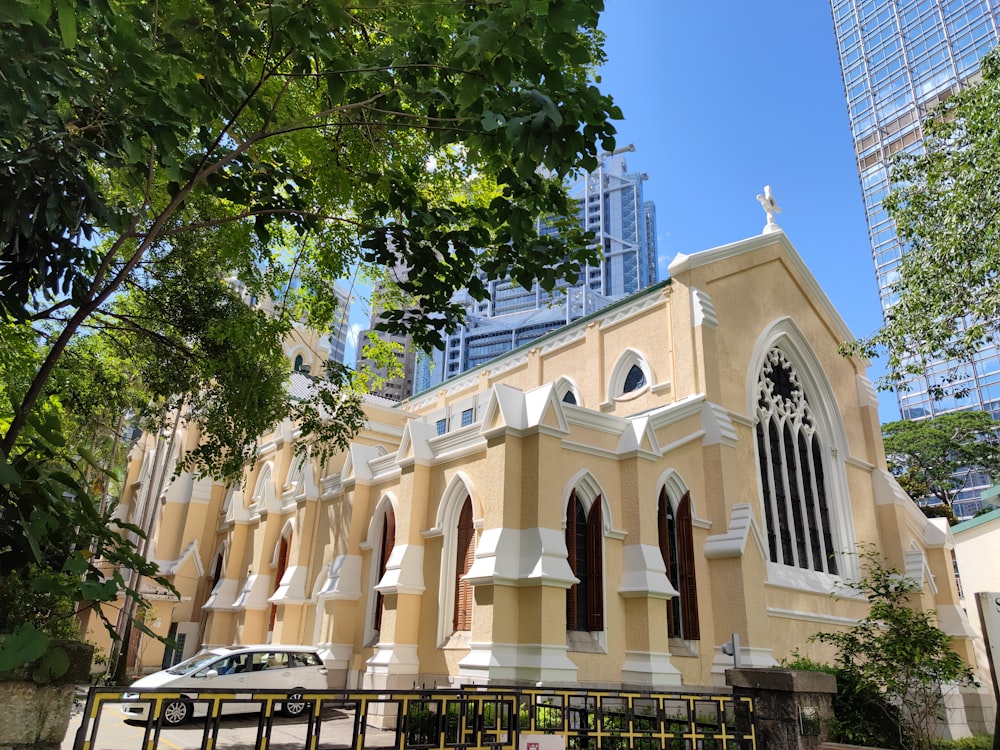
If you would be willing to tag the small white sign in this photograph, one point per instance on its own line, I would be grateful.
(541, 742)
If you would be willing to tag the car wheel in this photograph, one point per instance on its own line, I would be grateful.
(294, 705)
(175, 712)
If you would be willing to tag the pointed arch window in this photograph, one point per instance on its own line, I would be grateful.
(567, 392)
(792, 473)
(634, 380)
(677, 549)
(298, 363)
(386, 544)
(279, 572)
(465, 554)
(630, 376)
(584, 538)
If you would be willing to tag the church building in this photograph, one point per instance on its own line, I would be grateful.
(605, 507)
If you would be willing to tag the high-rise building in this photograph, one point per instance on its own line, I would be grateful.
(900, 59)
(341, 327)
(399, 385)
(610, 204)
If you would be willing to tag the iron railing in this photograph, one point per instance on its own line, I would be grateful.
(461, 719)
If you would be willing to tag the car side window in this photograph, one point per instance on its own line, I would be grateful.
(304, 660)
(230, 665)
(277, 660)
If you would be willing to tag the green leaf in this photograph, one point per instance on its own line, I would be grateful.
(8, 475)
(22, 647)
(76, 564)
(67, 23)
(54, 663)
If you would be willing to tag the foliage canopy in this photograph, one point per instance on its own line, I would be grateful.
(154, 149)
(167, 165)
(938, 456)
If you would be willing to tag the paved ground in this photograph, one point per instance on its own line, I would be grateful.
(236, 732)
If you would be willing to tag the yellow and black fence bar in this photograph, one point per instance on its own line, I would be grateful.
(489, 717)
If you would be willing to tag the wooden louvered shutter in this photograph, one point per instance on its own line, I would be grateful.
(388, 542)
(464, 556)
(663, 532)
(595, 569)
(573, 591)
(279, 573)
(688, 584)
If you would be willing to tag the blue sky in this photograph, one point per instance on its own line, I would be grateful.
(722, 97)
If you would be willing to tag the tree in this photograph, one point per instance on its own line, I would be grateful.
(146, 146)
(946, 205)
(166, 165)
(937, 457)
(897, 652)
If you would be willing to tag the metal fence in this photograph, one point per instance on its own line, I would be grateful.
(461, 719)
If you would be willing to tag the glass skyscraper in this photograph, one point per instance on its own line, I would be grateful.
(610, 204)
(901, 58)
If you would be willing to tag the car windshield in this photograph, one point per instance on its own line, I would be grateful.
(193, 664)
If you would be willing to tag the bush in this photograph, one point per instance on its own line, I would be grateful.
(30, 599)
(976, 742)
(862, 715)
(896, 654)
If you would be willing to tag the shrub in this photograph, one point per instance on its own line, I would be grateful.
(976, 742)
(896, 654)
(862, 715)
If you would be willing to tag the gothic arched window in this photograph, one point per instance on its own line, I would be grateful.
(386, 544)
(280, 567)
(635, 379)
(790, 454)
(465, 555)
(677, 549)
(584, 537)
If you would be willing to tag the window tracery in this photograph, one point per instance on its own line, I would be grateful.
(792, 472)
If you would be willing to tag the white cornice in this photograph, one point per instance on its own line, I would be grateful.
(610, 423)
(859, 463)
(817, 617)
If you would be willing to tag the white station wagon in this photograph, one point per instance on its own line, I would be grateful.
(237, 668)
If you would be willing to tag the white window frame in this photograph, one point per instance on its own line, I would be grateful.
(784, 335)
(619, 373)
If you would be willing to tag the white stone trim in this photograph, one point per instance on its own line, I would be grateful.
(253, 593)
(404, 571)
(749, 657)
(650, 669)
(292, 587)
(732, 543)
(703, 310)
(718, 427)
(342, 579)
(521, 662)
(223, 596)
(644, 574)
(814, 617)
(392, 659)
(526, 557)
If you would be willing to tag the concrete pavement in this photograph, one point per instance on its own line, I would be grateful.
(235, 733)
